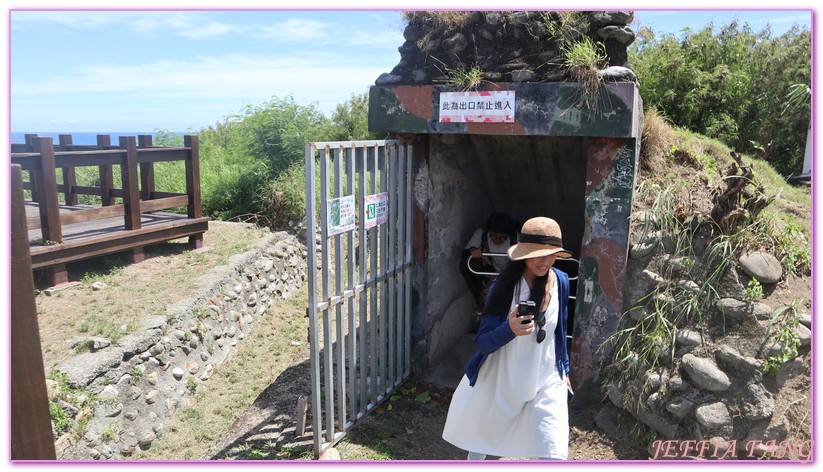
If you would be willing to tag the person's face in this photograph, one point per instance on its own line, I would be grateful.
(498, 238)
(539, 266)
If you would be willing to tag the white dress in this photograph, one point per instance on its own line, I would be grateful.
(518, 406)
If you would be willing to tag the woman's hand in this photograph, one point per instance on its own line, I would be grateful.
(518, 328)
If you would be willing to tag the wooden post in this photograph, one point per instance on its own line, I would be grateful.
(193, 176)
(193, 186)
(128, 172)
(47, 188)
(302, 410)
(106, 176)
(30, 141)
(131, 194)
(31, 437)
(146, 169)
(33, 174)
(50, 226)
(69, 176)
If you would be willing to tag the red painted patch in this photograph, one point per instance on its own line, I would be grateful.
(580, 357)
(416, 99)
(495, 128)
(600, 162)
(611, 268)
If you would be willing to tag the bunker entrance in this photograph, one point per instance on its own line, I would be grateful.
(473, 176)
(529, 137)
(552, 158)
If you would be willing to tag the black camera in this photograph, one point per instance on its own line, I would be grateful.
(526, 308)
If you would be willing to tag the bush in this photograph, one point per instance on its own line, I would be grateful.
(285, 197)
(734, 85)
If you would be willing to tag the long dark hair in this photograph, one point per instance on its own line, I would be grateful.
(502, 289)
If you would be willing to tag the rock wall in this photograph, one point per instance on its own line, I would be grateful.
(133, 387)
(504, 46)
(714, 388)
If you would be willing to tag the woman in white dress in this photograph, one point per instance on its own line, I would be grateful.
(512, 402)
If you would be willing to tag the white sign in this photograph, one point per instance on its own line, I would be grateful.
(340, 214)
(495, 106)
(376, 209)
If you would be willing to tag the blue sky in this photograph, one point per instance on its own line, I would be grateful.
(74, 71)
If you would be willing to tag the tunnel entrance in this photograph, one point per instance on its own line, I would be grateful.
(473, 176)
(502, 120)
(553, 158)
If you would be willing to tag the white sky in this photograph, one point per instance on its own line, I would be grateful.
(178, 70)
(138, 71)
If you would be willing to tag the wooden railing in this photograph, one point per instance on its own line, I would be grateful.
(31, 437)
(41, 158)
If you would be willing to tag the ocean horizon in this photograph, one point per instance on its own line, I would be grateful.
(83, 137)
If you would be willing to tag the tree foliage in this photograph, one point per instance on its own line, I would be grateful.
(732, 86)
(350, 120)
(252, 163)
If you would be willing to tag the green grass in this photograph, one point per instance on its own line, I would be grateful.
(230, 392)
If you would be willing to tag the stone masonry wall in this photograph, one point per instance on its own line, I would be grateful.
(714, 392)
(138, 383)
(519, 46)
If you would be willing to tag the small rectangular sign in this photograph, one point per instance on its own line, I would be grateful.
(494, 106)
(340, 215)
(375, 211)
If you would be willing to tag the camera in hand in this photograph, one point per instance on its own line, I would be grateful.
(526, 308)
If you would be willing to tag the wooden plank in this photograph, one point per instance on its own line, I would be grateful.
(47, 256)
(164, 203)
(89, 158)
(84, 190)
(30, 141)
(69, 175)
(146, 169)
(162, 155)
(105, 173)
(302, 410)
(69, 183)
(31, 437)
(166, 194)
(71, 216)
(47, 188)
(26, 161)
(193, 176)
(103, 140)
(145, 232)
(106, 184)
(93, 214)
(128, 171)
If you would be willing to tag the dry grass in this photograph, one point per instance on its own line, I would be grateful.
(447, 20)
(658, 139)
(171, 272)
(261, 357)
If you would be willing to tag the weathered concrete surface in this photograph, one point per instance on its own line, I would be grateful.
(541, 109)
(470, 176)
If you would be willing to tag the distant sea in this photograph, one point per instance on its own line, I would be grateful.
(82, 138)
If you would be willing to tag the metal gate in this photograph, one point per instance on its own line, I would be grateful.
(359, 300)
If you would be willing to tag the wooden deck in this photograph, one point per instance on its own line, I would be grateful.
(128, 219)
(106, 236)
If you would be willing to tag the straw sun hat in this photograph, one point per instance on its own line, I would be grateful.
(539, 237)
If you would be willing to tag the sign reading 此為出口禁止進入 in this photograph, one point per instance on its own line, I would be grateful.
(495, 106)
(375, 211)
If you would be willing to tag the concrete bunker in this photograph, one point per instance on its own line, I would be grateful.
(559, 154)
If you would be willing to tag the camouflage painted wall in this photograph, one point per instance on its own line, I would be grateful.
(612, 135)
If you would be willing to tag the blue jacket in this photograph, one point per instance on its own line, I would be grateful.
(494, 332)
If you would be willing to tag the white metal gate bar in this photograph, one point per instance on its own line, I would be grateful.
(359, 313)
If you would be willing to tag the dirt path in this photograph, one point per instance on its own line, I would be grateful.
(407, 430)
